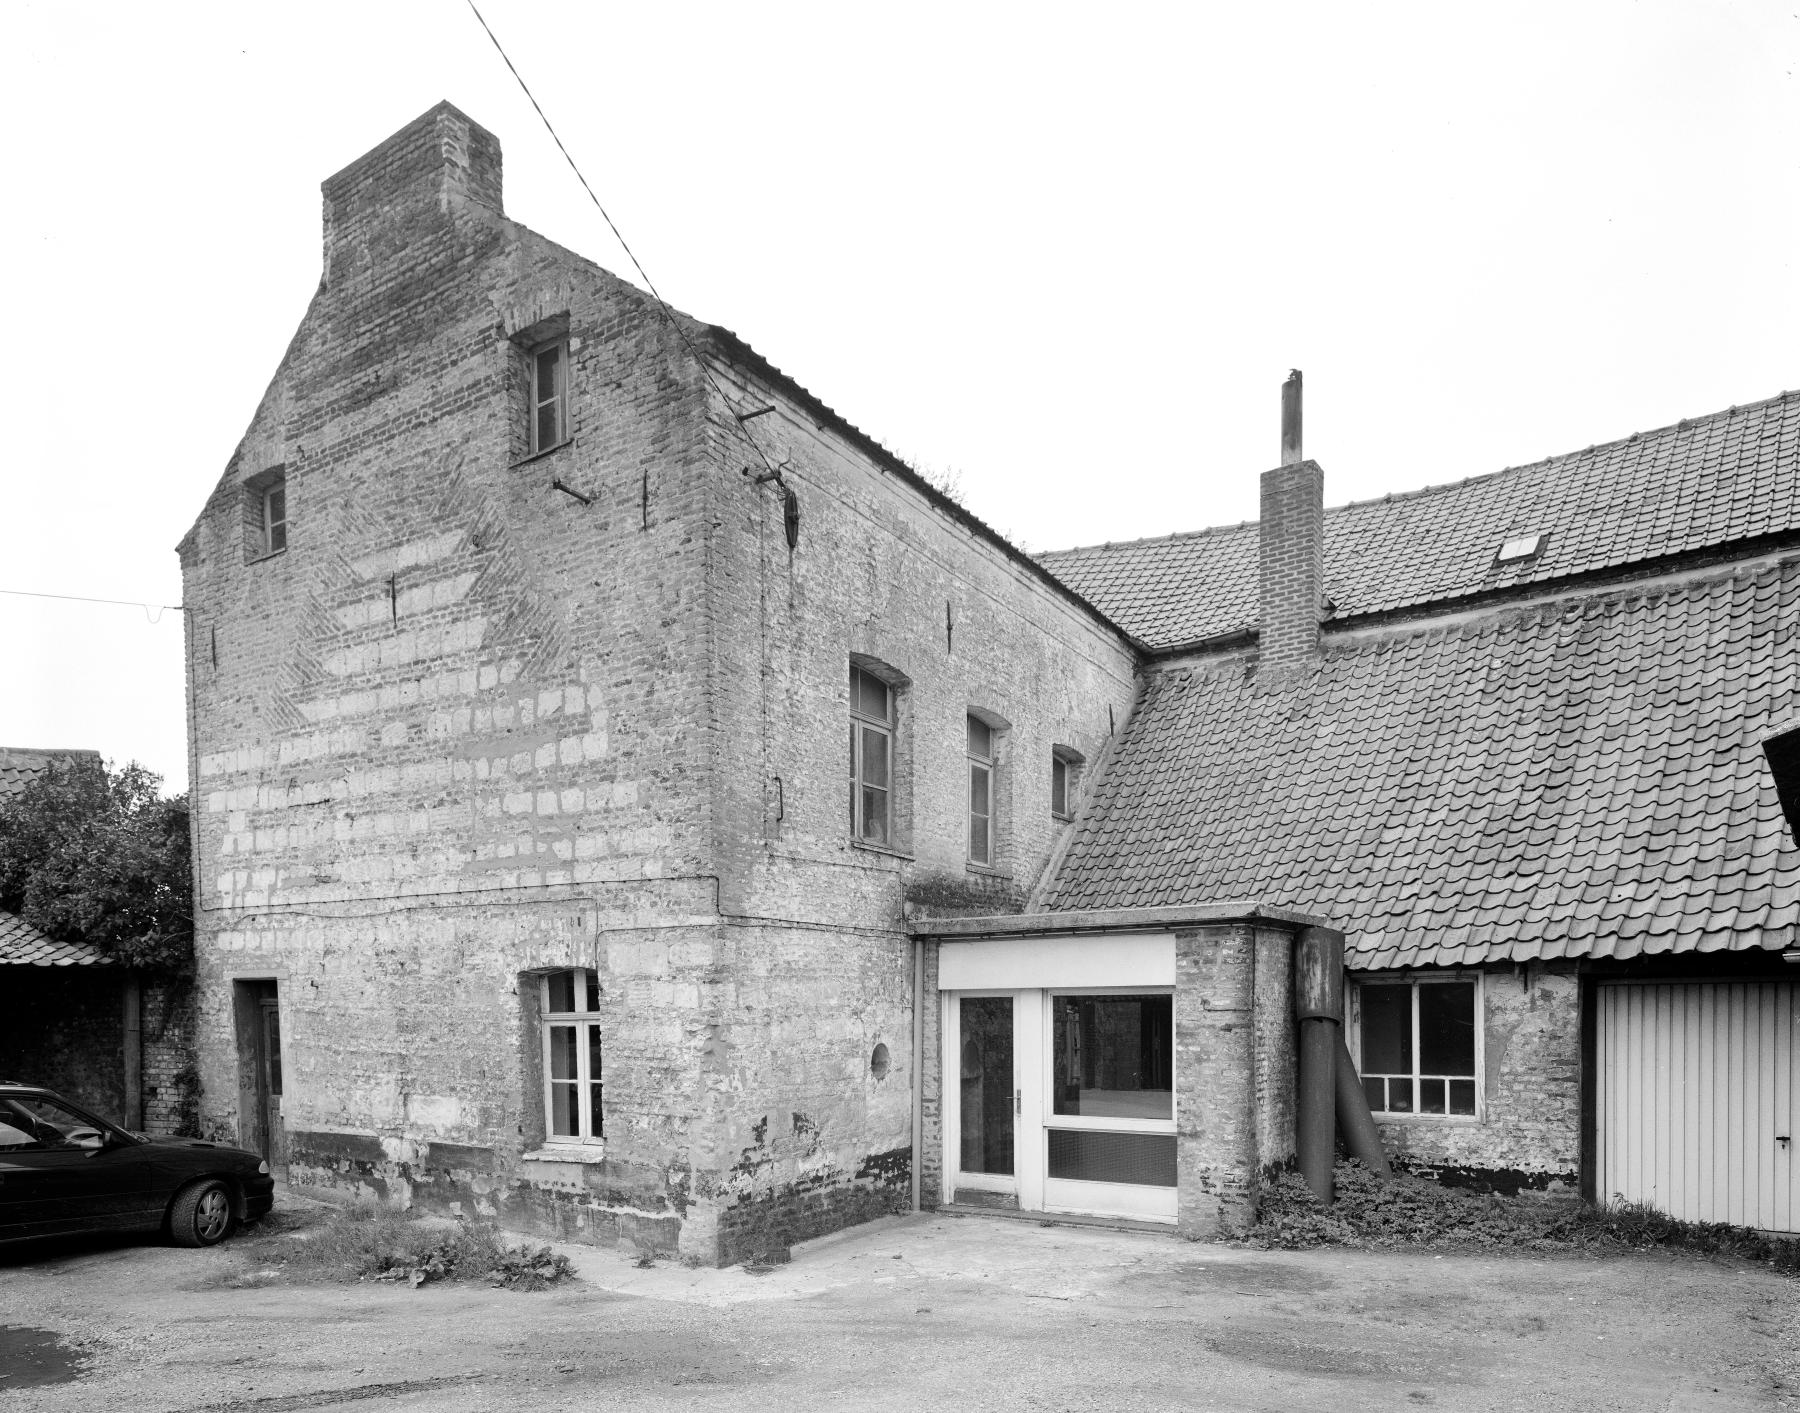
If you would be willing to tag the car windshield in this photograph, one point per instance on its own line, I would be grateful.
(37, 1122)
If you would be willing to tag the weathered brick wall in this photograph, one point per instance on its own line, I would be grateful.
(466, 726)
(64, 1027)
(1217, 1072)
(1529, 1134)
(882, 572)
(171, 1080)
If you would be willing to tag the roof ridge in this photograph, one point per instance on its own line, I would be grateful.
(1201, 533)
(1439, 488)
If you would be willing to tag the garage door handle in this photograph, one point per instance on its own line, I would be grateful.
(1782, 1139)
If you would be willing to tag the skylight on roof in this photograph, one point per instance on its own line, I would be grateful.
(1519, 547)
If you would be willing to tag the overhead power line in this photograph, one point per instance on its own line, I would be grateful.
(158, 608)
(643, 274)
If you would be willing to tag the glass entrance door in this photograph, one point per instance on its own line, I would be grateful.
(987, 1095)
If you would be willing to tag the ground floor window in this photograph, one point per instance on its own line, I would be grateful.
(568, 1008)
(1418, 1044)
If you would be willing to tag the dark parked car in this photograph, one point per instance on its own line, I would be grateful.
(64, 1170)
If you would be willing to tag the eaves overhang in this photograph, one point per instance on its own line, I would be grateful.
(1169, 919)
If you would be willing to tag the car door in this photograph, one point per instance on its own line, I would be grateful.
(70, 1172)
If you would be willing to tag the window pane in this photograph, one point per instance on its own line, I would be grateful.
(277, 503)
(1447, 1028)
(1387, 1029)
(1376, 1090)
(978, 789)
(593, 990)
(561, 991)
(1399, 1092)
(868, 694)
(1462, 1096)
(278, 537)
(562, 1052)
(547, 362)
(594, 1129)
(978, 839)
(1144, 1159)
(563, 1120)
(981, 738)
(1059, 786)
(874, 815)
(987, 1085)
(1431, 1096)
(546, 427)
(1114, 1056)
(874, 757)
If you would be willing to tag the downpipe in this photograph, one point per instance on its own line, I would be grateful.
(1330, 1093)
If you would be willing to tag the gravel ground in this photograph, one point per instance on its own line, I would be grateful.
(922, 1312)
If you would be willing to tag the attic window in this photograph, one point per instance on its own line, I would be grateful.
(1519, 547)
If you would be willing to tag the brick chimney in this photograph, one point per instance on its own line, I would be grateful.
(411, 183)
(1291, 540)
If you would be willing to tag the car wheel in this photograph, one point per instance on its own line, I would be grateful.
(200, 1215)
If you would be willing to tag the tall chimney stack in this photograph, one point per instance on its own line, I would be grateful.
(1292, 550)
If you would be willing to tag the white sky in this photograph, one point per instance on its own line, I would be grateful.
(1068, 252)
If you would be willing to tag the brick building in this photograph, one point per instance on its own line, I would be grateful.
(597, 829)
(1533, 766)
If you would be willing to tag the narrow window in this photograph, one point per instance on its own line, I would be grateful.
(274, 517)
(549, 396)
(1065, 781)
(1418, 1047)
(871, 758)
(981, 791)
(569, 1003)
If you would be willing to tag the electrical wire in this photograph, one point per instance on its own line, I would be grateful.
(83, 598)
(643, 274)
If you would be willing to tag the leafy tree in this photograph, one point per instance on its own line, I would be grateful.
(97, 855)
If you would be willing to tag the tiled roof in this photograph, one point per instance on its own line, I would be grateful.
(1577, 778)
(20, 765)
(1732, 476)
(21, 944)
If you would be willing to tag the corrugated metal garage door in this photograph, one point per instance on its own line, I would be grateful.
(1698, 1085)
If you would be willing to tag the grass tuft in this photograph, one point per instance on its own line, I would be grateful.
(1411, 1211)
(366, 1242)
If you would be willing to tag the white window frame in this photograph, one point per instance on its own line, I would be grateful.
(585, 1022)
(557, 397)
(861, 721)
(272, 525)
(988, 767)
(1415, 980)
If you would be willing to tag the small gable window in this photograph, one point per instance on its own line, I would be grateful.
(265, 513)
(1065, 779)
(274, 517)
(549, 396)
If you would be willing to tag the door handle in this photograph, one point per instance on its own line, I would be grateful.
(1782, 1139)
(1018, 1102)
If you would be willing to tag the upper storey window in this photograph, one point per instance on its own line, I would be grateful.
(549, 395)
(871, 758)
(274, 517)
(981, 791)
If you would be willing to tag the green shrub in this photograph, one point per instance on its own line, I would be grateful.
(1411, 1211)
(366, 1242)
